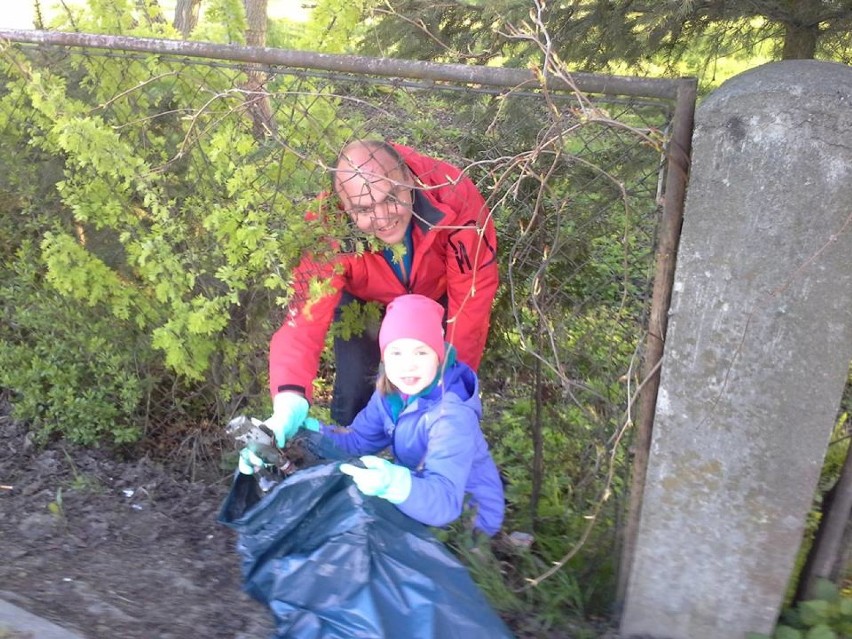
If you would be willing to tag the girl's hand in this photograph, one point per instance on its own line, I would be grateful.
(380, 478)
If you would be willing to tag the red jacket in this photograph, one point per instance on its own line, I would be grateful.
(450, 257)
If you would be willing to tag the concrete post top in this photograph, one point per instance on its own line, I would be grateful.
(790, 77)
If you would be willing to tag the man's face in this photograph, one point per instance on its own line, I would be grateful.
(376, 193)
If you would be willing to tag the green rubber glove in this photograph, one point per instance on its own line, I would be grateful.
(311, 423)
(250, 462)
(381, 478)
(289, 411)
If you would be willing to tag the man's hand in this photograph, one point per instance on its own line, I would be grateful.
(380, 478)
(289, 411)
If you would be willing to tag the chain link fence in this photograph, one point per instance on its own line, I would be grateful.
(184, 171)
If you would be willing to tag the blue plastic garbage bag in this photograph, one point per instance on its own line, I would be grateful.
(332, 563)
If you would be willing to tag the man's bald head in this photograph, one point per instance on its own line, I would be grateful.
(370, 158)
(376, 189)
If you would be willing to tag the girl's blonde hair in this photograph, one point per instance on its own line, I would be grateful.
(383, 384)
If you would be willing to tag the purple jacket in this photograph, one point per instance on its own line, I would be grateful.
(439, 439)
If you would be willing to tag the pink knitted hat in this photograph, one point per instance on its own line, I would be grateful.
(414, 317)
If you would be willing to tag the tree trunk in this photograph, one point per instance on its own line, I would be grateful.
(801, 29)
(255, 22)
(186, 16)
(800, 42)
(257, 100)
(829, 555)
(537, 429)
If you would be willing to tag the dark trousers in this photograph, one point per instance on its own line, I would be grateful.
(356, 364)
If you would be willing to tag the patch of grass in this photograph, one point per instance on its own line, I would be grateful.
(80, 482)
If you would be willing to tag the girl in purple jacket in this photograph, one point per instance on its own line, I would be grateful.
(426, 408)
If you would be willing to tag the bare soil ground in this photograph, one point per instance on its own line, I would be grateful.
(111, 549)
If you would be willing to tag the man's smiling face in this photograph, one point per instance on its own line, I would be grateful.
(376, 192)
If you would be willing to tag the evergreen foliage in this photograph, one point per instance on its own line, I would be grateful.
(607, 35)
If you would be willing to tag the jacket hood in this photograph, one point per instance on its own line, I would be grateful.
(458, 384)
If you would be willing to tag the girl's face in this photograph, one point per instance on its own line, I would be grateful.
(410, 365)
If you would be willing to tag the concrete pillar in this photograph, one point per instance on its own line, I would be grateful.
(756, 357)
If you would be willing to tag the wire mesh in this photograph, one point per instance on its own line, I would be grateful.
(221, 161)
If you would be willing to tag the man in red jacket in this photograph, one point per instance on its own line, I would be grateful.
(424, 209)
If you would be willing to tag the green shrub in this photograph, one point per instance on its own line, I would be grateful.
(72, 368)
(828, 616)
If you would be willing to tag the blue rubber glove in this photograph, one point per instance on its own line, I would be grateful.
(381, 478)
(289, 411)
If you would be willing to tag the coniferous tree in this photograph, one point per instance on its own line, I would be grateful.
(595, 34)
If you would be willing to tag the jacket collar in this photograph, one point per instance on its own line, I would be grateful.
(426, 214)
